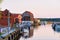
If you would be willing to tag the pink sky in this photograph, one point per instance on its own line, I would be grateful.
(40, 8)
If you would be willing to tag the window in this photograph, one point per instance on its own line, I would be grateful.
(26, 18)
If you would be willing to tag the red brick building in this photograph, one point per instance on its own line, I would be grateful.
(13, 16)
(27, 15)
(4, 18)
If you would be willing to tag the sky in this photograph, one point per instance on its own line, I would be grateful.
(39, 8)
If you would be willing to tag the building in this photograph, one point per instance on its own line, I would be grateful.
(4, 18)
(27, 15)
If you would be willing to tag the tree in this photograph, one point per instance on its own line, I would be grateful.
(1, 1)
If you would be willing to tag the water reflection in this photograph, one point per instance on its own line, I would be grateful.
(44, 32)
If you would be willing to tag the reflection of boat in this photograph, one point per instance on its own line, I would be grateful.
(56, 27)
(43, 22)
(27, 29)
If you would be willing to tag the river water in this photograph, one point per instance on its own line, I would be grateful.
(44, 32)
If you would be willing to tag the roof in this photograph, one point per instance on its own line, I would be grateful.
(27, 13)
